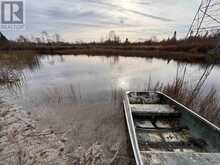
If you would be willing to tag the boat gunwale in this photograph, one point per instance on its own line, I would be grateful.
(133, 140)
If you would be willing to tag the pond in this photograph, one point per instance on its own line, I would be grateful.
(81, 95)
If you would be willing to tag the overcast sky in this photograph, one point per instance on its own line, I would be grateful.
(90, 20)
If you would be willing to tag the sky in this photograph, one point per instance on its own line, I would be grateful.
(91, 20)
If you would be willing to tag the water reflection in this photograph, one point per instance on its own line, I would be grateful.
(84, 79)
(61, 77)
(75, 96)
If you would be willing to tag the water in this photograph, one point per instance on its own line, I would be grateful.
(81, 95)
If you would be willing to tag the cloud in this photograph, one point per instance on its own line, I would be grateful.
(91, 19)
(123, 9)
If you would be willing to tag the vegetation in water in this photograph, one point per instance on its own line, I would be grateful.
(12, 64)
(205, 105)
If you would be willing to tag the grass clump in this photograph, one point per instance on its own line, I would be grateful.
(8, 75)
(205, 105)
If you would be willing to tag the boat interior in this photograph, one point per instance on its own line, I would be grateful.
(162, 125)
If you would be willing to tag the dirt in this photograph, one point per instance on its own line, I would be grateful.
(24, 142)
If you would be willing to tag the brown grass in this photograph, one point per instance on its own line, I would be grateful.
(205, 105)
(8, 75)
(12, 65)
(187, 53)
(187, 49)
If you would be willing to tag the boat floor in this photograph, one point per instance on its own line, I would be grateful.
(161, 137)
(167, 136)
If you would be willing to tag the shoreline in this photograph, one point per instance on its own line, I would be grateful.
(21, 142)
(160, 54)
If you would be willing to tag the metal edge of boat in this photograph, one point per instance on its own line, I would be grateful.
(192, 112)
(131, 127)
(131, 131)
(133, 137)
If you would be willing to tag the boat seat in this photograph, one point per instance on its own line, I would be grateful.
(152, 110)
(175, 129)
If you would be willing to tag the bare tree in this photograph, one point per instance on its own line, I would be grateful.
(113, 37)
(22, 39)
(44, 36)
(38, 40)
(57, 38)
(174, 36)
(154, 39)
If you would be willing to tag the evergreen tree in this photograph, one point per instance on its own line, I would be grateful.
(3, 39)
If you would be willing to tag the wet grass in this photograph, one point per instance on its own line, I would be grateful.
(12, 65)
(19, 60)
(8, 75)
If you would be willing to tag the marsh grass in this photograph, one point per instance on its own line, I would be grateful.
(12, 65)
(205, 105)
(8, 75)
(19, 60)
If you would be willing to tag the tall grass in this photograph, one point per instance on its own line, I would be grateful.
(205, 105)
(12, 65)
(19, 60)
(8, 75)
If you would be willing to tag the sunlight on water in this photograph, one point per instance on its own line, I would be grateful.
(123, 83)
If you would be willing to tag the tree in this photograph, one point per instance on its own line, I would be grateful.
(3, 38)
(113, 37)
(22, 39)
(127, 41)
(154, 39)
(44, 36)
(102, 40)
(57, 38)
(174, 36)
(38, 40)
